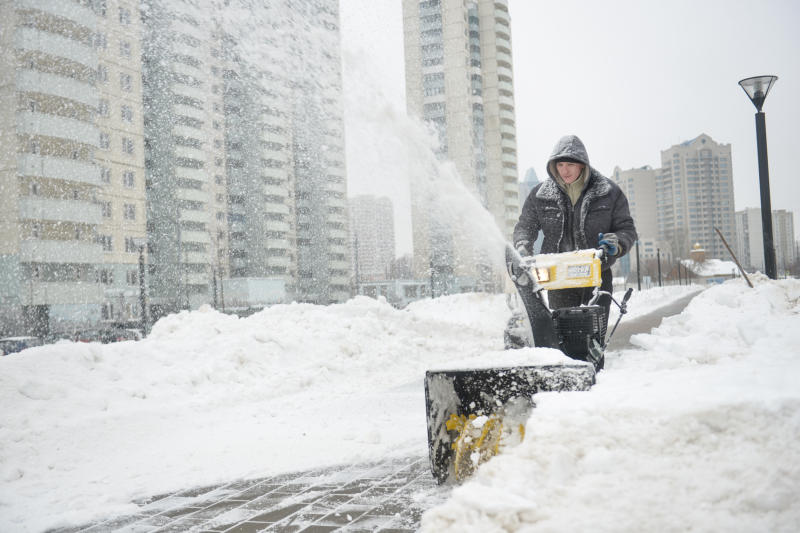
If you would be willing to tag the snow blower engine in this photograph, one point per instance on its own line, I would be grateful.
(474, 413)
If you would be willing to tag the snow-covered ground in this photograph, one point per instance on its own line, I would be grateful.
(696, 429)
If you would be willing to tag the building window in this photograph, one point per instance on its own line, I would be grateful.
(127, 145)
(125, 49)
(35, 147)
(100, 41)
(36, 230)
(129, 179)
(125, 82)
(132, 277)
(106, 242)
(106, 209)
(130, 245)
(129, 214)
(105, 276)
(105, 175)
(127, 113)
(102, 108)
(102, 73)
(124, 15)
(105, 141)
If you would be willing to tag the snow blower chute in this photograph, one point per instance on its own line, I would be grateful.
(474, 412)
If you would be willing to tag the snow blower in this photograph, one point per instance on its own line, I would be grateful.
(474, 413)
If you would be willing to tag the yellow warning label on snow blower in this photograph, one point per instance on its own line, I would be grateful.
(568, 270)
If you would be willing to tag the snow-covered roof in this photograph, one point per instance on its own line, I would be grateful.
(710, 267)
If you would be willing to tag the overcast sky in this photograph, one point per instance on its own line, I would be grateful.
(630, 78)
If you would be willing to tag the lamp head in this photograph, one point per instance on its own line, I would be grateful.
(757, 88)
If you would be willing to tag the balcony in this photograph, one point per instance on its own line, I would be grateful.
(196, 258)
(279, 260)
(55, 45)
(192, 173)
(276, 190)
(189, 111)
(57, 168)
(197, 278)
(509, 130)
(195, 216)
(82, 16)
(195, 236)
(185, 90)
(40, 82)
(78, 211)
(277, 225)
(61, 293)
(188, 152)
(41, 251)
(34, 123)
(506, 85)
(276, 208)
(193, 195)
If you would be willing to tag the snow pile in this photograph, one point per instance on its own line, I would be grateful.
(696, 430)
(711, 267)
(208, 397)
(86, 429)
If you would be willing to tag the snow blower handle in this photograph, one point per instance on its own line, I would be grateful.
(623, 308)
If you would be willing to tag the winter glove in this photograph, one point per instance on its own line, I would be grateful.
(518, 275)
(610, 241)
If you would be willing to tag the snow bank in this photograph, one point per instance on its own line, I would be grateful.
(696, 430)
(208, 397)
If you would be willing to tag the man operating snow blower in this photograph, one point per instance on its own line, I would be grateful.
(577, 208)
(473, 412)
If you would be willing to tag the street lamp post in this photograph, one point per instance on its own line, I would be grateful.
(757, 89)
(142, 301)
(658, 257)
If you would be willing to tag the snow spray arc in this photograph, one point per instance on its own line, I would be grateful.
(400, 156)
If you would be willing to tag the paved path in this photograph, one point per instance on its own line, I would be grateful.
(645, 323)
(387, 496)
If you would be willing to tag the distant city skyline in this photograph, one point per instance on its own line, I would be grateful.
(631, 79)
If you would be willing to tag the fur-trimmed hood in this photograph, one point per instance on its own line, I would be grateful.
(572, 147)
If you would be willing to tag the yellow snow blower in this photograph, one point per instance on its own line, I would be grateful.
(474, 413)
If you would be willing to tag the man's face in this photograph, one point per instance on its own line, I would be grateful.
(568, 171)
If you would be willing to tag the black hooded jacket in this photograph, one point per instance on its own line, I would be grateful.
(601, 208)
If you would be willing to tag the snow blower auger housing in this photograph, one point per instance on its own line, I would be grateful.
(474, 413)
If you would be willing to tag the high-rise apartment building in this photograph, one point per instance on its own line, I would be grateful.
(120, 156)
(372, 235)
(312, 42)
(49, 214)
(185, 157)
(694, 191)
(259, 170)
(528, 183)
(459, 79)
(166, 131)
(750, 238)
(639, 186)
